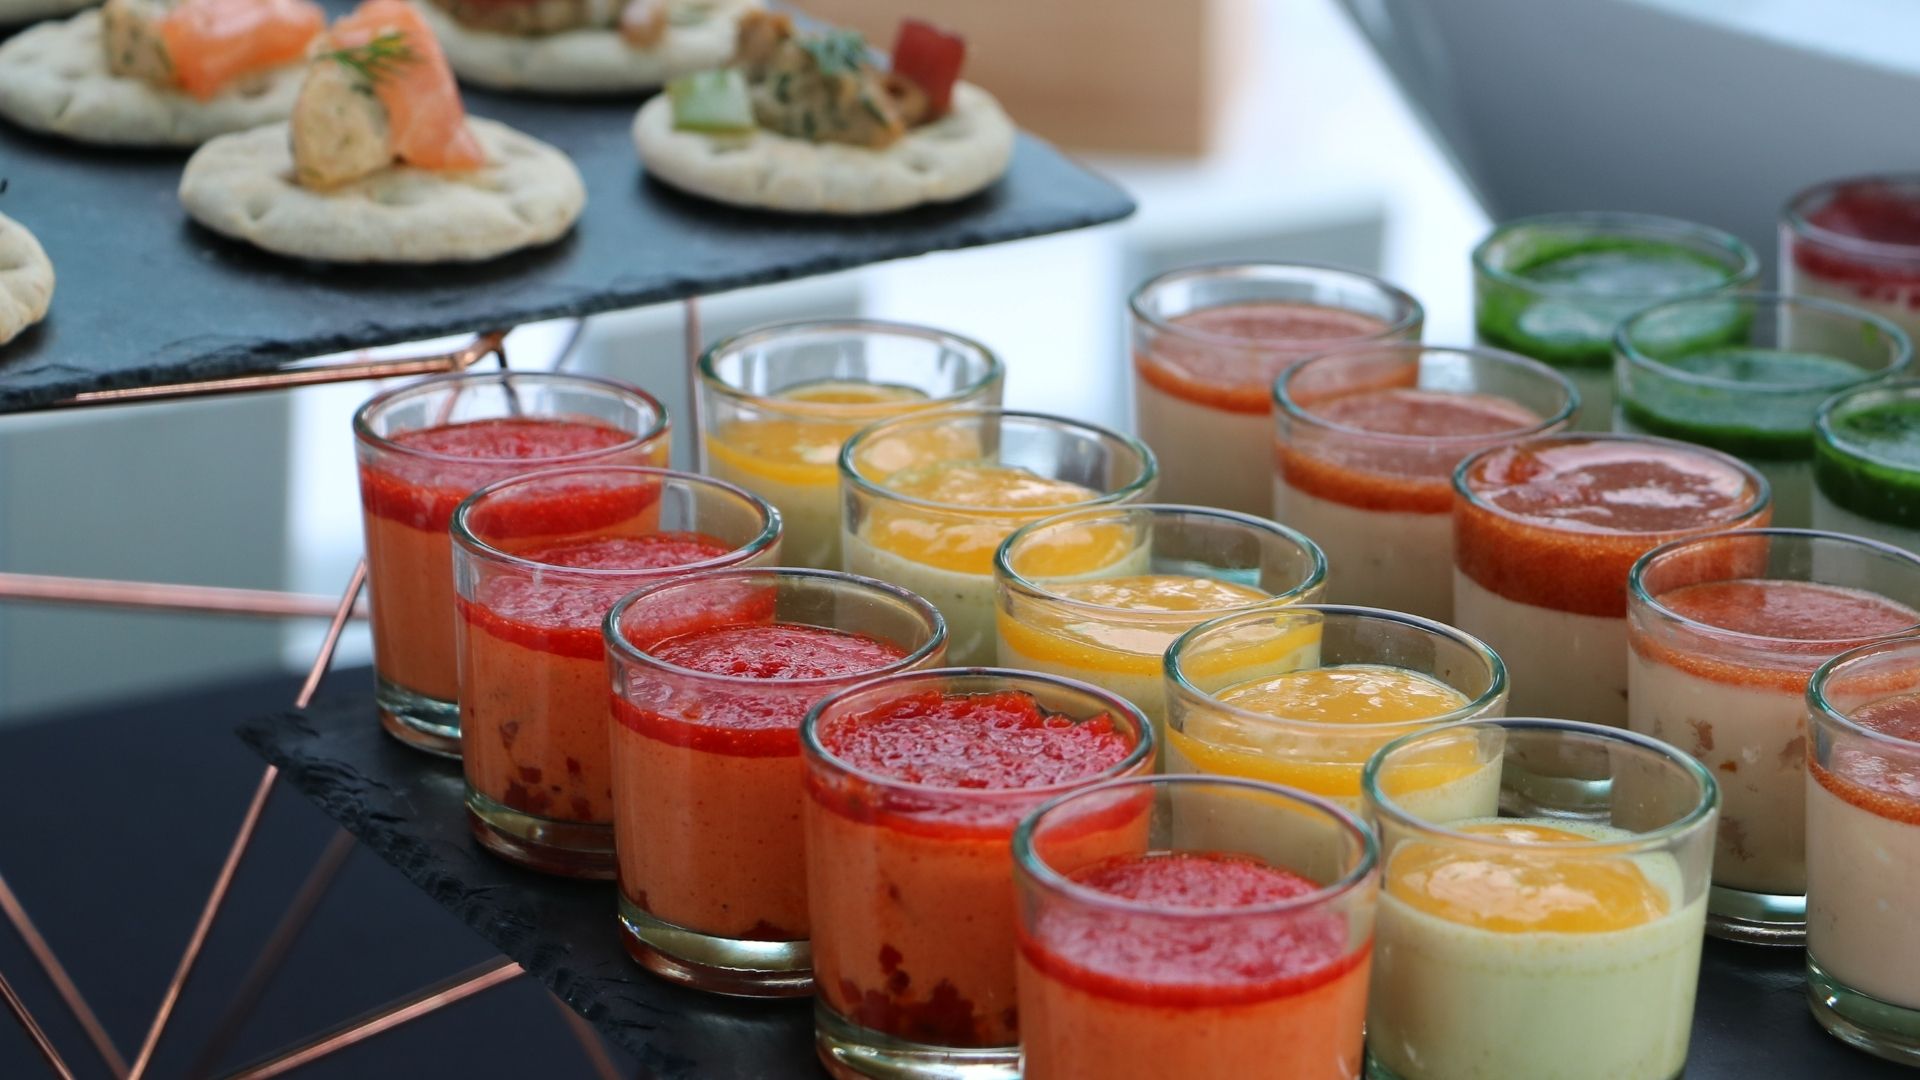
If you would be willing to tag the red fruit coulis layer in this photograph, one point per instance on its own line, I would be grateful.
(1258, 341)
(1186, 960)
(424, 491)
(1395, 476)
(1802, 624)
(1874, 211)
(1882, 782)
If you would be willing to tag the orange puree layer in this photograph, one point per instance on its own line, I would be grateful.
(1257, 342)
(1796, 624)
(1881, 782)
(1395, 476)
(1512, 891)
(708, 775)
(1557, 522)
(979, 505)
(913, 892)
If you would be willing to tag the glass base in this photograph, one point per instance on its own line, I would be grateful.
(421, 722)
(851, 1052)
(1756, 918)
(1878, 1027)
(718, 965)
(1376, 1071)
(566, 848)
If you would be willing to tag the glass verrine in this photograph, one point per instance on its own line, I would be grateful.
(1231, 938)
(1367, 441)
(538, 562)
(777, 403)
(1753, 391)
(1100, 594)
(1863, 848)
(1303, 696)
(927, 499)
(1544, 532)
(424, 447)
(712, 674)
(1208, 341)
(1559, 938)
(1853, 240)
(1724, 632)
(1555, 286)
(1866, 464)
(914, 784)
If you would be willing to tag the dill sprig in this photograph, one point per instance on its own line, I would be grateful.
(836, 52)
(385, 55)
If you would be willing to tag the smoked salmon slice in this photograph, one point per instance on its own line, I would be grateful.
(211, 43)
(424, 113)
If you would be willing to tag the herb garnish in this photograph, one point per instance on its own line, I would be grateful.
(837, 52)
(385, 55)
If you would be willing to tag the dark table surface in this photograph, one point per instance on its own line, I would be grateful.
(1751, 1019)
(145, 297)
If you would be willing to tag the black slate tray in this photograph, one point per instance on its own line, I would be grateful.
(147, 298)
(1751, 1018)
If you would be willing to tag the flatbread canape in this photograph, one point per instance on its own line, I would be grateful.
(807, 124)
(380, 162)
(159, 72)
(26, 279)
(583, 46)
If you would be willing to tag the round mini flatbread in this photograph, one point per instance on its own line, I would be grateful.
(22, 12)
(54, 78)
(948, 159)
(242, 185)
(26, 279)
(586, 61)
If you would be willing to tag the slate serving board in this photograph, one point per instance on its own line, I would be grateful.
(1751, 1018)
(147, 298)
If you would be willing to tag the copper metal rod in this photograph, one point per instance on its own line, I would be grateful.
(159, 596)
(40, 1040)
(440, 363)
(472, 981)
(62, 982)
(260, 976)
(597, 1055)
(691, 336)
(332, 641)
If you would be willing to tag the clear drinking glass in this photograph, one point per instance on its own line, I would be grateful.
(927, 499)
(777, 403)
(1254, 695)
(1863, 848)
(707, 777)
(1852, 240)
(1866, 464)
(1100, 594)
(424, 447)
(538, 562)
(1724, 632)
(910, 883)
(1555, 286)
(1254, 967)
(1368, 438)
(1560, 938)
(1753, 389)
(1208, 341)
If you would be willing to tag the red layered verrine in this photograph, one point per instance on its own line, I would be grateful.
(539, 561)
(712, 675)
(425, 447)
(914, 785)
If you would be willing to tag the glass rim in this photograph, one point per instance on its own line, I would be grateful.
(1905, 388)
(1149, 464)
(1763, 490)
(626, 650)
(1637, 585)
(1182, 688)
(1794, 216)
(1625, 223)
(465, 539)
(1823, 709)
(1902, 344)
(363, 428)
(1285, 404)
(1030, 862)
(995, 369)
(1316, 576)
(1387, 807)
(1142, 750)
(1410, 311)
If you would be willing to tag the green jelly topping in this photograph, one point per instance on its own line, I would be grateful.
(1872, 464)
(1595, 282)
(1775, 424)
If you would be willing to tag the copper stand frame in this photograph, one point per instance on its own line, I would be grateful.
(216, 600)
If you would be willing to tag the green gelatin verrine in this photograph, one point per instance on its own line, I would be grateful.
(1869, 461)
